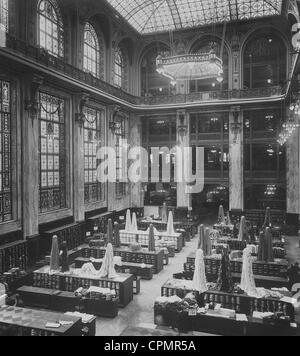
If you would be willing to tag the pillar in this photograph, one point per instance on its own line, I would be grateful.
(236, 148)
(135, 140)
(80, 101)
(183, 140)
(30, 154)
(293, 174)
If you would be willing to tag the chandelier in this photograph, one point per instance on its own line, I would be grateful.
(190, 67)
(291, 124)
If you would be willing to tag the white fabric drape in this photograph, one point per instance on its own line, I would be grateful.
(247, 280)
(108, 266)
(134, 226)
(128, 221)
(170, 228)
(199, 281)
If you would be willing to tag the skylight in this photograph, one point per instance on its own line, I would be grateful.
(150, 16)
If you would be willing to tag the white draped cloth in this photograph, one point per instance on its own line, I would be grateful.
(248, 281)
(128, 221)
(134, 227)
(170, 228)
(199, 281)
(108, 265)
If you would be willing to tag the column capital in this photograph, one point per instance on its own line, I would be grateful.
(33, 82)
(81, 99)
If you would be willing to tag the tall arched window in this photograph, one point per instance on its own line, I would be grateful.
(211, 84)
(119, 68)
(4, 14)
(264, 61)
(91, 52)
(51, 31)
(152, 83)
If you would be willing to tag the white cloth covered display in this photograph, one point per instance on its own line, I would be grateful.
(170, 228)
(164, 213)
(128, 221)
(243, 233)
(248, 281)
(199, 281)
(134, 226)
(108, 266)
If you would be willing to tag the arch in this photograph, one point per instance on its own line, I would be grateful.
(264, 58)
(203, 45)
(51, 27)
(152, 83)
(101, 23)
(120, 68)
(93, 51)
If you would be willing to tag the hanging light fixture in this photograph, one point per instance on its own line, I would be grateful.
(191, 67)
(291, 124)
(185, 66)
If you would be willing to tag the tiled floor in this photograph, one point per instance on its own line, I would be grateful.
(140, 310)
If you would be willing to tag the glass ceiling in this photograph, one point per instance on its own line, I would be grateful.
(150, 16)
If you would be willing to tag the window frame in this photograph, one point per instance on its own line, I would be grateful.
(60, 27)
(91, 206)
(68, 211)
(89, 28)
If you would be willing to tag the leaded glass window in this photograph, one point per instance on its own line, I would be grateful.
(119, 68)
(51, 31)
(93, 134)
(91, 51)
(4, 13)
(120, 136)
(52, 153)
(5, 154)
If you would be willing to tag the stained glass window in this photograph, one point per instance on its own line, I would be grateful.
(91, 56)
(5, 154)
(4, 13)
(93, 134)
(148, 16)
(120, 136)
(52, 153)
(119, 68)
(51, 31)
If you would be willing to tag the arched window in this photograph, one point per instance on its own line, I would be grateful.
(152, 83)
(51, 31)
(211, 84)
(4, 14)
(264, 61)
(91, 51)
(119, 68)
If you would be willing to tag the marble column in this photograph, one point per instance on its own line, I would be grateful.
(236, 175)
(135, 140)
(30, 153)
(293, 174)
(80, 100)
(183, 141)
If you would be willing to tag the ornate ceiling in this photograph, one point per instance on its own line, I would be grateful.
(150, 16)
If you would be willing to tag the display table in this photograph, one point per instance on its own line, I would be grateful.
(28, 322)
(220, 326)
(51, 299)
(241, 303)
(70, 282)
(128, 238)
(190, 228)
(155, 259)
(137, 269)
(271, 269)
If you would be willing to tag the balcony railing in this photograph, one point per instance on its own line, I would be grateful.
(41, 56)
